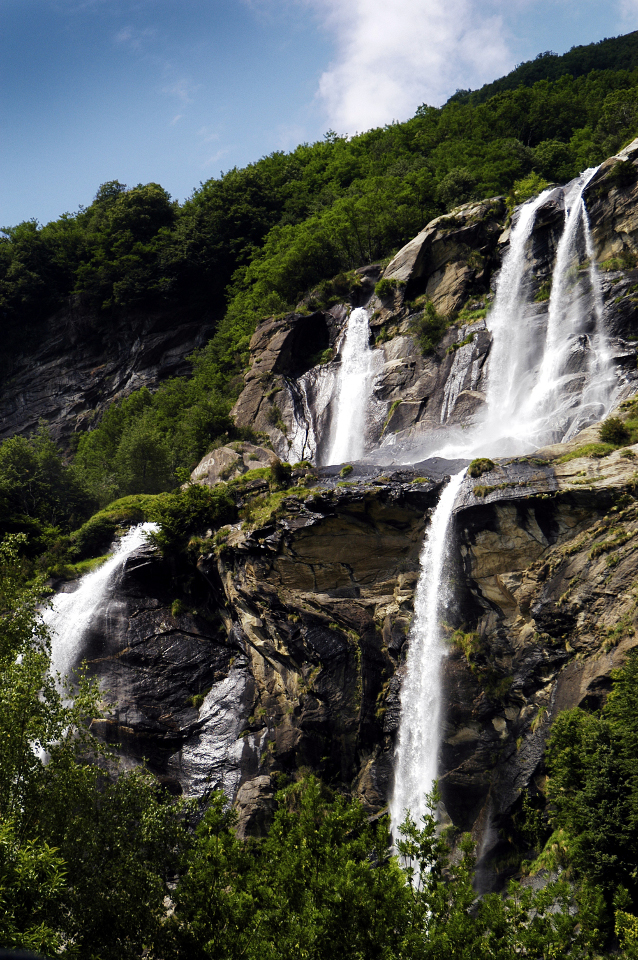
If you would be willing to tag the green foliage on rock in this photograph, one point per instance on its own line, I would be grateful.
(523, 190)
(430, 328)
(613, 430)
(190, 512)
(480, 466)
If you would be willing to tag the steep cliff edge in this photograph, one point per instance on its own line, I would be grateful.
(284, 650)
(294, 657)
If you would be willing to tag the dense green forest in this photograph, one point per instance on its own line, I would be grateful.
(86, 860)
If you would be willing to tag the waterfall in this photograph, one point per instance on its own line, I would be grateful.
(416, 757)
(70, 614)
(549, 372)
(513, 350)
(575, 381)
(353, 391)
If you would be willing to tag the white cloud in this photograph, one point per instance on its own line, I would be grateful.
(208, 134)
(629, 14)
(393, 55)
(181, 89)
(134, 39)
(214, 158)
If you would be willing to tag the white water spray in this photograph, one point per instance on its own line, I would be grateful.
(416, 759)
(563, 398)
(71, 614)
(353, 390)
(511, 356)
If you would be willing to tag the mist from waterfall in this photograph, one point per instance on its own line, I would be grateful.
(416, 756)
(71, 614)
(352, 391)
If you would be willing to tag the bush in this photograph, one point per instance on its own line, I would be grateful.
(480, 466)
(525, 189)
(94, 537)
(182, 515)
(613, 430)
(430, 328)
(386, 287)
(280, 474)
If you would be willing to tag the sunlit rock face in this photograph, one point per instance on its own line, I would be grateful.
(423, 404)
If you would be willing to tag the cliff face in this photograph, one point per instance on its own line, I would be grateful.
(292, 655)
(454, 264)
(295, 660)
(81, 362)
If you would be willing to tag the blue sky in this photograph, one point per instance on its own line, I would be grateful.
(174, 91)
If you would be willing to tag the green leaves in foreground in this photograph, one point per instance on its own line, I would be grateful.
(323, 884)
(85, 860)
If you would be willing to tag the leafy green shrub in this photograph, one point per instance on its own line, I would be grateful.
(280, 474)
(182, 515)
(613, 430)
(387, 286)
(346, 471)
(623, 261)
(430, 328)
(480, 466)
(94, 537)
(544, 292)
(522, 190)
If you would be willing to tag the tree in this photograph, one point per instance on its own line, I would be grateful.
(85, 856)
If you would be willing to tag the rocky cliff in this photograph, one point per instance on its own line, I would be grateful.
(294, 659)
(286, 649)
(70, 368)
(453, 264)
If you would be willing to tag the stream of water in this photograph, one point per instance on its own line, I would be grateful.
(416, 757)
(71, 614)
(353, 390)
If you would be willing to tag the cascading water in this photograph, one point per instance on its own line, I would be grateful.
(533, 395)
(564, 398)
(513, 349)
(353, 391)
(70, 614)
(416, 758)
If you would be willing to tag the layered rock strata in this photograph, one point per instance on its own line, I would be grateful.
(82, 362)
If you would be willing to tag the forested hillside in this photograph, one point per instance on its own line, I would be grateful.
(269, 612)
(256, 240)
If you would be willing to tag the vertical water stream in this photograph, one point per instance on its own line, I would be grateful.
(353, 391)
(70, 614)
(548, 376)
(564, 397)
(416, 754)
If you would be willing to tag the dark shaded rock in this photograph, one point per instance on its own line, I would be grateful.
(82, 362)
